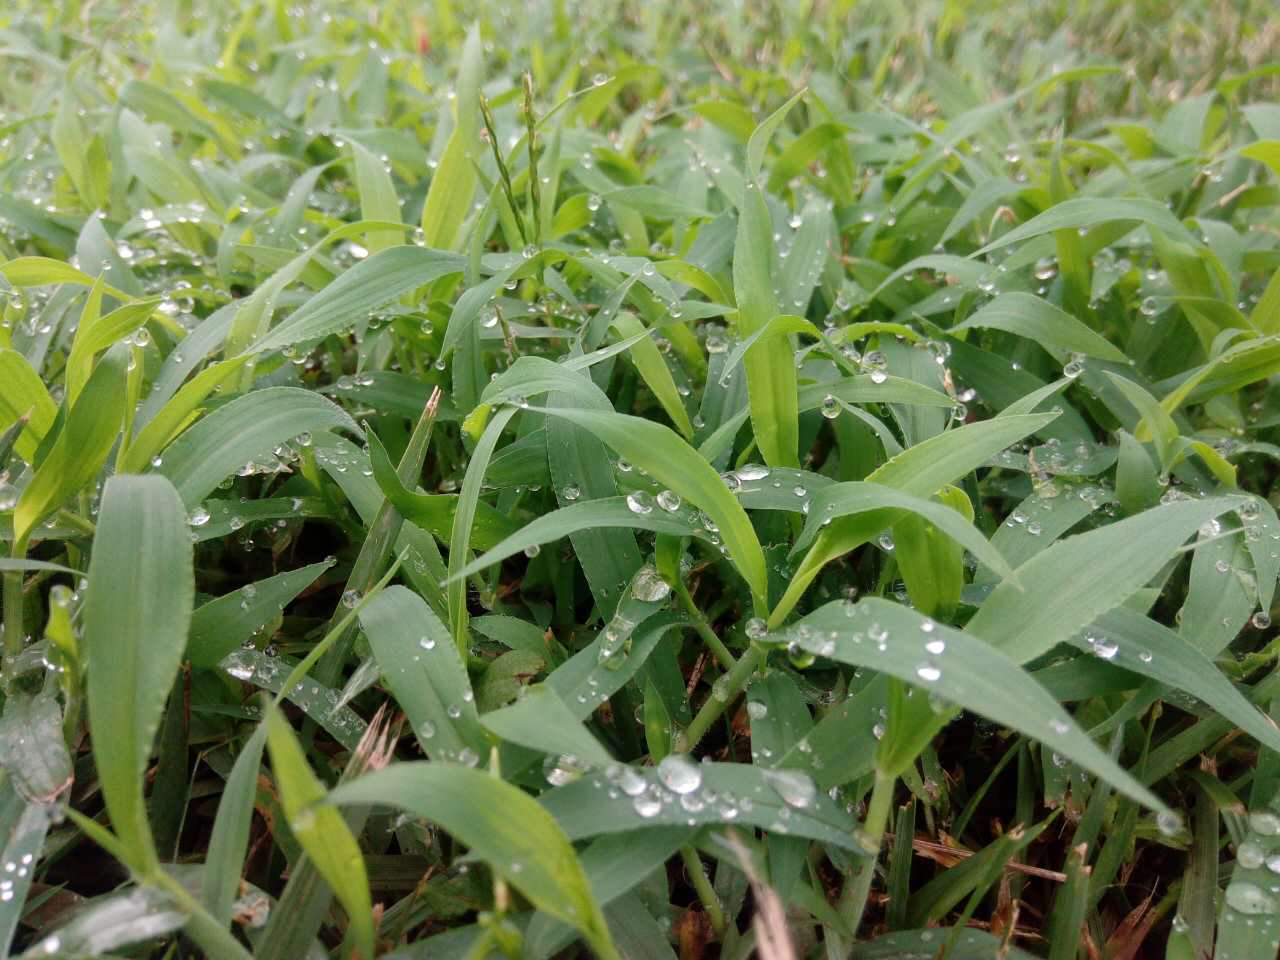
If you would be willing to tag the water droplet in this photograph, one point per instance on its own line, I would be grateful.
(1264, 823)
(1250, 855)
(1248, 898)
(649, 586)
(639, 502)
(669, 501)
(679, 773)
(929, 673)
(646, 805)
(795, 787)
(1169, 823)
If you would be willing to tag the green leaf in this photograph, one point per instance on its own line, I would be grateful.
(855, 497)
(1136, 643)
(1064, 588)
(540, 720)
(245, 430)
(378, 199)
(1090, 212)
(622, 798)
(368, 286)
(32, 750)
(1037, 320)
(611, 512)
(676, 465)
(425, 673)
(919, 471)
(454, 184)
(22, 392)
(230, 839)
(503, 826)
(23, 827)
(221, 625)
(134, 648)
(82, 445)
(956, 666)
(320, 829)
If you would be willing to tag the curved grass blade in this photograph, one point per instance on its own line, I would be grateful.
(421, 665)
(673, 463)
(369, 285)
(246, 429)
(23, 393)
(956, 666)
(681, 791)
(221, 625)
(82, 445)
(501, 824)
(135, 621)
(1040, 321)
(1065, 587)
(854, 497)
(320, 829)
(920, 471)
(611, 512)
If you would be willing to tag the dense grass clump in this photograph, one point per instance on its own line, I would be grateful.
(639, 480)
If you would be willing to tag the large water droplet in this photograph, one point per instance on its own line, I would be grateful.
(679, 773)
(795, 787)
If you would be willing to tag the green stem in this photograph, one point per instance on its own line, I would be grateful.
(380, 540)
(702, 886)
(714, 643)
(215, 940)
(733, 684)
(14, 632)
(853, 902)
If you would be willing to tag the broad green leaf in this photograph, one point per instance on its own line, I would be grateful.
(134, 647)
(32, 751)
(676, 465)
(106, 924)
(918, 471)
(587, 515)
(1066, 587)
(230, 839)
(368, 286)
(421, 666)
(540, 720)
(221, 625)
(956, 666)
(1090, 212)
(40, 271)
(242, 432)
(854, 497)
(378, 199)
(320, 829)
(454, 184)
(22, 393)
(1040, 321)
(648, 360)
(23, 827)
(82, 445)
(969, 944)
(501, 824)
(682, 791)
(1137, 643)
